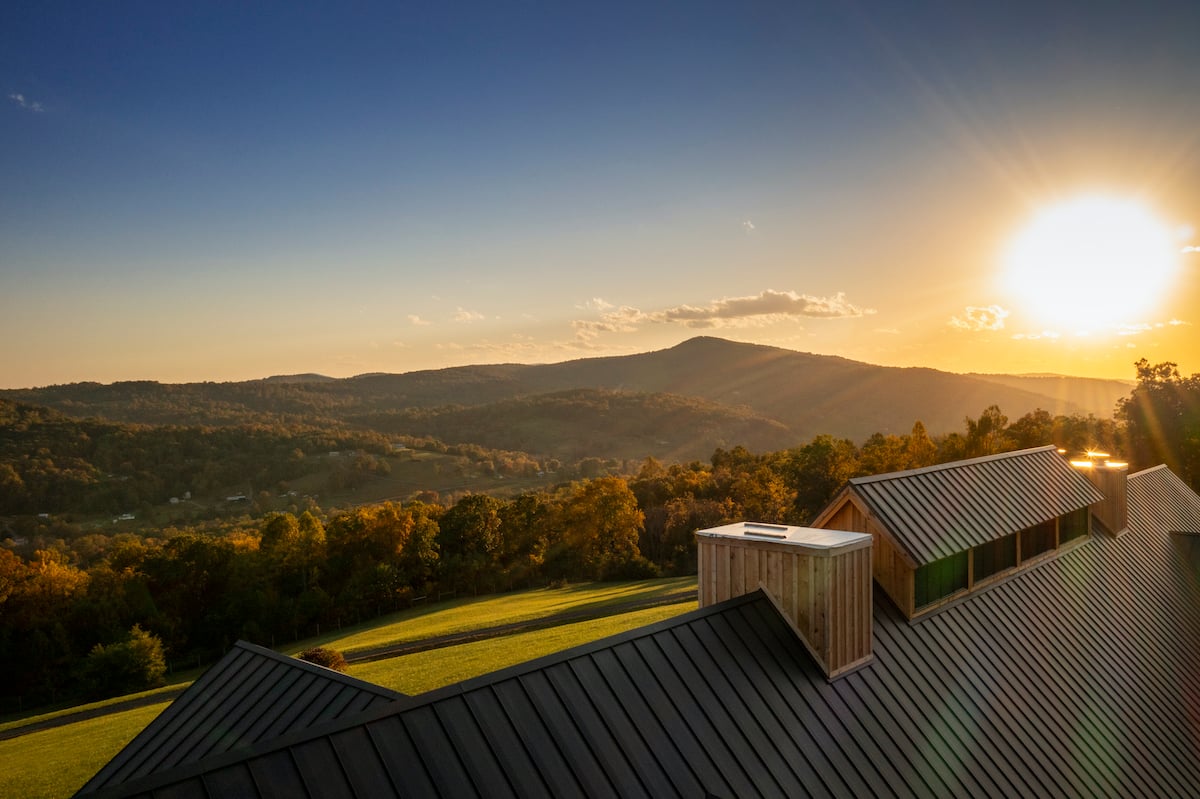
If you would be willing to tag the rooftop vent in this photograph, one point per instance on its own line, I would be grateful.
(820, 579)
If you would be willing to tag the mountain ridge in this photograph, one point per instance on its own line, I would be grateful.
(798, 395)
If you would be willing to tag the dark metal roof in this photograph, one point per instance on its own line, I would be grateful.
(1078, 677)
(1166, 499)
(251, 695)
(941, 510)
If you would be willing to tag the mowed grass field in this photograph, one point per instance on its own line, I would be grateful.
(56, 762)
(465, 614)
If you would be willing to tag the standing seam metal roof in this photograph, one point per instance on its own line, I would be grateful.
(941, 510)
(1078, 677)
(251, 695)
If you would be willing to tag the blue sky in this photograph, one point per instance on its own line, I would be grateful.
(237, 190)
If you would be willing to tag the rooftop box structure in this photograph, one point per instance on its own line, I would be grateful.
(820, 579)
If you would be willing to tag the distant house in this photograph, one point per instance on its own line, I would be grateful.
(1065, 663)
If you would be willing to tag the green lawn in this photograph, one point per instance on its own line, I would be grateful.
(471, 613)
(55, 763)
(425, 671)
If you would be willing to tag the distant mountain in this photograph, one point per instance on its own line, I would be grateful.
(793, 395)
(1094, 395)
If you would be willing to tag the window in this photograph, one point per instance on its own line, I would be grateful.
(940, 579)
(995, 556)
(1073, 525)
(1036, 540)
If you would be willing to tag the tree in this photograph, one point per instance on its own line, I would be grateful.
(325, 656)
(601, 524)
(880, 454)
(470, 537)
(1162, 420)
(133, 664)
(919, 447)
(817, 471)
(986, 436)
(1034, 429)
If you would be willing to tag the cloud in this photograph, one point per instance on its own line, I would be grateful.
(595, 304)
(463, 315)
(1050, 335)
(416, 320)
(767, 307)
(23, 102)
(747, 226)
(1190, 248)
(977, 318)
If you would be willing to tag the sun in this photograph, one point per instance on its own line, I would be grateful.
(1094, 259)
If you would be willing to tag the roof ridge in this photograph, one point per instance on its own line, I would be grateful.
(403, 703)
(321, 671)
(942, 467)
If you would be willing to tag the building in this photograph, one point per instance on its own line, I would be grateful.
(1065, 662)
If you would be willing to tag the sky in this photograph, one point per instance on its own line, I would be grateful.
(228, 191)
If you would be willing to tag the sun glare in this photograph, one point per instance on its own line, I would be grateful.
(1091, 260)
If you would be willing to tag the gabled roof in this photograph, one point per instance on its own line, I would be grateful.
(251, 695)
(1167, 500)
(940, 510)
(1077, 677)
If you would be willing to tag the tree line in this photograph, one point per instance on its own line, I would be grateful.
(89, 614)
(71, 605)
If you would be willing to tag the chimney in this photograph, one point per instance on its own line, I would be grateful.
(1111, 478)
(819, 579)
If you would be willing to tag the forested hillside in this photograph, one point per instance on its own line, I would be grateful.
(81, 601)
(801, 394)
(572, 425)
(51, 463)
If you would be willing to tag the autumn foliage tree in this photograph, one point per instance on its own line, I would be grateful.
(1162, 419)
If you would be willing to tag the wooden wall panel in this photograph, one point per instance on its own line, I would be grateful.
(825, 593)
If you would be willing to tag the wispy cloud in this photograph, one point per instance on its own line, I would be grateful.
(767, 307)
(416, 320)
(24, 102)
(595, 304)
(1050, 335)
(979, 318)
(463, 315)
(747, 226)
(1190, 248)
